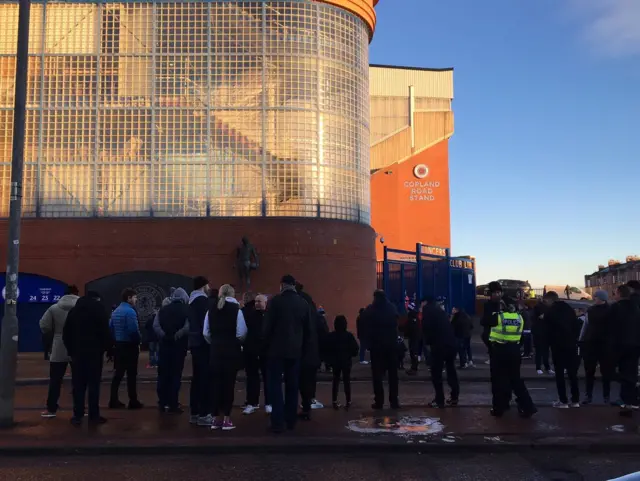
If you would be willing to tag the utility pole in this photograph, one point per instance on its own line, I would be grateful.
(9, 334)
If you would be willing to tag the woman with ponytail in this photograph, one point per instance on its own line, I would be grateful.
(224, 329)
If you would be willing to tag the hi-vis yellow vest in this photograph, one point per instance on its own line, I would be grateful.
(509, 328)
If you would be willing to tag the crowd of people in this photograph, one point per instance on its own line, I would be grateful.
(286, 340)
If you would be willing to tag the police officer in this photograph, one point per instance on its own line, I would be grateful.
(506, 330)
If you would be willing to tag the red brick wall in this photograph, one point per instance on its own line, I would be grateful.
(335, 260)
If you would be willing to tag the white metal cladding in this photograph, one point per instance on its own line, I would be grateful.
(395, 82)
(216, 108)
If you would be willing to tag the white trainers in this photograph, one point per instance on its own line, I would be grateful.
(48, 415)
(250, 409)
(551, 372)
(364, 363)
(560, 405)
(470, 364)
(268, 409)
(574, 405)
(488, 361)
(315, 404)
(539, 371)
(205, 421)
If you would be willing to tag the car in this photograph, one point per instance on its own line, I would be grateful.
(575, 293)
(510, 288)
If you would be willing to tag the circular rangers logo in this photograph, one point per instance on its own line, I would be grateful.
(421, 171)
(149, 299)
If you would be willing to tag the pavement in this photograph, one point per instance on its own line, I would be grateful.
(33, 370)
(414, 429)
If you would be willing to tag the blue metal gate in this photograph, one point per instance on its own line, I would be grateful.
(428, 272)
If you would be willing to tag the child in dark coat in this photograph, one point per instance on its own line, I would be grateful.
(341, 348)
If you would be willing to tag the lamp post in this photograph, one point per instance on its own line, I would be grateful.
(9, 334)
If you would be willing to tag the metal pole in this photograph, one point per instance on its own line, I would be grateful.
(9, 335)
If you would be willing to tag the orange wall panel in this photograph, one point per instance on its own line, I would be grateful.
(406, 209)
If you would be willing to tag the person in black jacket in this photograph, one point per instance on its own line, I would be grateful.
(380, 323)
(462, 327)
(286, 332)
(87, 337)
(312, 358)
(224, 329)
(254, 359)
(564, 330)
(361, 341)
(200, 392)
(414, 336)
(438, 333)
(341, 349)
(172, 328)
(527, 317)
(635, 292)
(596, 345)
(624, 317)
(540, 334)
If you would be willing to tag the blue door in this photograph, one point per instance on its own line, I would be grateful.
(35, 295)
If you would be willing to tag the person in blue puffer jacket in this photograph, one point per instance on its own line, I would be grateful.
(126, 332)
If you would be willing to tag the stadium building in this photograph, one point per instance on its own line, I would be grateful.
(161, 133)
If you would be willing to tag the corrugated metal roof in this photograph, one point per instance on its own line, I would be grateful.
(395, 81)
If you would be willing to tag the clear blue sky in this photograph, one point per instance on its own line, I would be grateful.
(545, 159)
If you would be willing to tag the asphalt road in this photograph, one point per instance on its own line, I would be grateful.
(533, 466)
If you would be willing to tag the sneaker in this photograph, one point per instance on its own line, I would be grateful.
(116, 405)
(364, 363)
(216, 424)
(205, 421)
(471, 364)
(228, 425)
(634, 407)
(488, 361)
(250, 409)
(95, 421)
(336, 405)
(76, 421)
(268, 409)
(551, 372)
(539, 371)
(149, 366)
(48, 415)
(433, 404)
(617, 403)
(193, 419)
(574, 405)
(315, 404)
(452, 402)
(560, 405)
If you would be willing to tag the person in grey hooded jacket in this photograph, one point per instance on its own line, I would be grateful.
(171, 325)
(52, 325)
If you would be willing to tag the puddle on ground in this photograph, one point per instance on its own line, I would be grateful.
(403, 426)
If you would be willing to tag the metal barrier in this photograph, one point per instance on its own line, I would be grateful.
(428, 272)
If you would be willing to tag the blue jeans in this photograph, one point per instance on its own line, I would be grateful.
(363, 350)
(464, 350)
(153, 354)
(285, 409)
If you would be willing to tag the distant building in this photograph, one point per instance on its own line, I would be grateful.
(609, 277)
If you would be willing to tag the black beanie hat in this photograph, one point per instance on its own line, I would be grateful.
(199, 282)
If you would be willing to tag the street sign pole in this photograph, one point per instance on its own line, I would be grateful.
(9, 333)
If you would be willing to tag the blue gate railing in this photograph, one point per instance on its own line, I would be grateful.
(427, 272)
